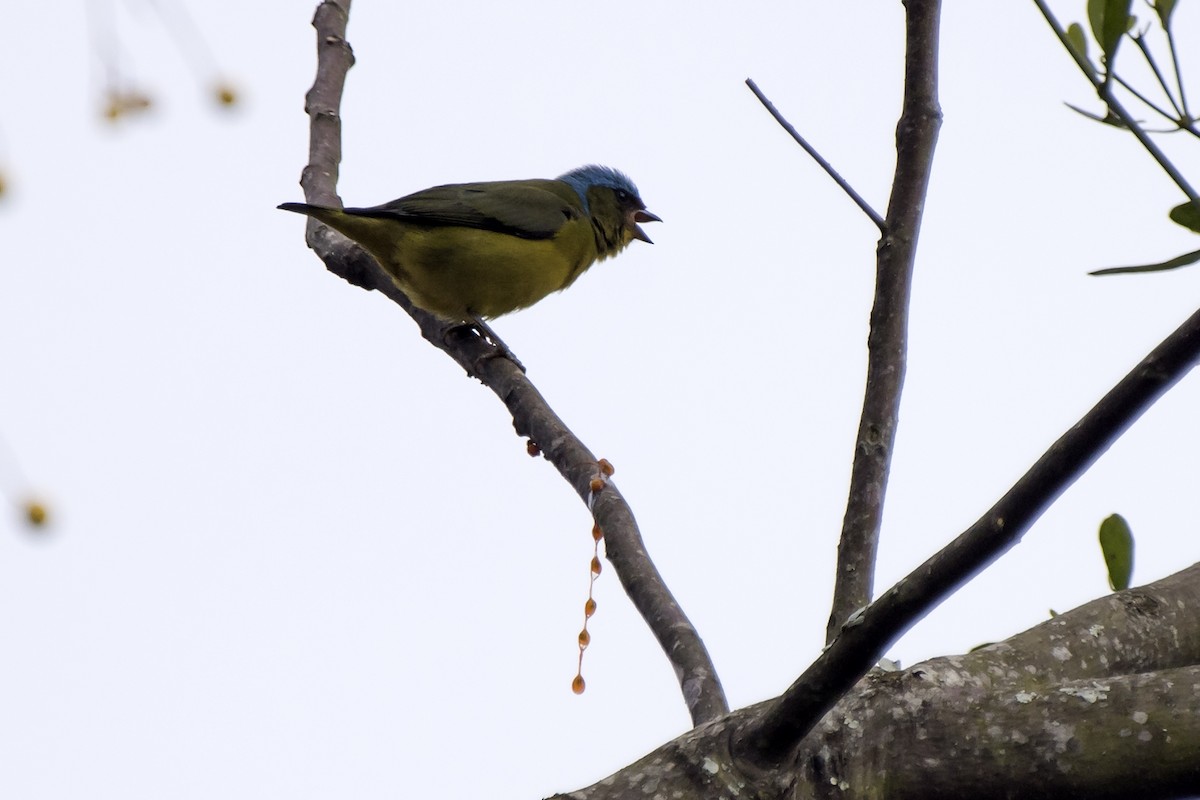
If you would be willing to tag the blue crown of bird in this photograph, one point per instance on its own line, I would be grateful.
(475, 251)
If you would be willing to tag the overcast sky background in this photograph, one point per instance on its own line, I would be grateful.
(296, 553)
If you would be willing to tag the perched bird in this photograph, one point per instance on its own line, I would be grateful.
(474, 251)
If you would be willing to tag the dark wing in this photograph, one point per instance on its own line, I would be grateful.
(533, 209)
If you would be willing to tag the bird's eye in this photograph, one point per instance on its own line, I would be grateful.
(622, 195)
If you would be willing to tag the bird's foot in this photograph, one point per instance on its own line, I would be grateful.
(499, 348)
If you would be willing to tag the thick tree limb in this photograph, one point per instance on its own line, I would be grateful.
(532, 416)
(887, 340)
(1013, 727)
(1148, 628)
(1041, 715)
(938, 731)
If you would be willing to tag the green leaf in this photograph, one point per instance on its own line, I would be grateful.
(1110, 20)
(1174, 263)
(1079, 43)
(1116, 542)
(1186, 214)
(1165, 9)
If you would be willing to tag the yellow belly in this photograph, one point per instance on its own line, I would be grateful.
(460, 272)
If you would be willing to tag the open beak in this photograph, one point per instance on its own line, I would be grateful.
(642, 215)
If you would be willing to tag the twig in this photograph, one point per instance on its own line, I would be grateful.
(323, 103)
(825, 165)
(1146, 101)
(866, 637)
(887, 341)
(1104, 90)
(1140, 41)
(532, 417)
(1178, 73)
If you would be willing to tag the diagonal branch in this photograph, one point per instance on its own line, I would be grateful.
(816, 156)
(866, 637)
(532, 416)
(887, 341)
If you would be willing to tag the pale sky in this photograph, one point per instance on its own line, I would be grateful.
(296, 553)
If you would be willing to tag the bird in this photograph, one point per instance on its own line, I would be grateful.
(470, 252)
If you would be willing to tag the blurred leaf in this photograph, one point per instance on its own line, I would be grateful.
(1079, 43)
(36, 514)
(1186, 214)
(1165, 9)
(1108, 119)
(1116, 542)
(1077, 38)
(1177, 261)
(1110, 20)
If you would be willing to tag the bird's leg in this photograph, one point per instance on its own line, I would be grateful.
(502, 350)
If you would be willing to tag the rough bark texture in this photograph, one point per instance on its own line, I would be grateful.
(1100, 702)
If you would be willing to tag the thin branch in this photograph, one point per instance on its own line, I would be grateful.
(887, 341)
(532, 416)
(1140, 41)
(1178, 73)
(323, 102)
(825, 165)
(1104, 90)
(1162, 112)
(867, 636)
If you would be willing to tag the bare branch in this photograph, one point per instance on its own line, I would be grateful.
(887, 341)
(1147, 54)
(1178, 72)
(867, 636)
(821, 162)
(323, 104)
(532, 417)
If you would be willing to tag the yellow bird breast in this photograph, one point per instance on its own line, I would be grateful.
(461, 272)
